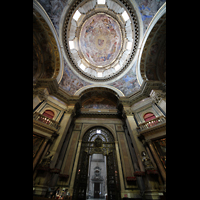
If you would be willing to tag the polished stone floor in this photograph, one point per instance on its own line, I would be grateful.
(96, 199)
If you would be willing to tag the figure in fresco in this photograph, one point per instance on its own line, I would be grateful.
(100, 39)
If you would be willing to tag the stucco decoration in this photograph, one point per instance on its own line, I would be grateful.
(100, 40)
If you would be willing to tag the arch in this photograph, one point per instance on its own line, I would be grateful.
(91, 126)
(97, 146)
(148, 116)
(85, 88)
(49, 113)
(142, 48)
(48, 26)
(92, 134)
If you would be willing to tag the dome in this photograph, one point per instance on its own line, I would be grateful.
(100, 38)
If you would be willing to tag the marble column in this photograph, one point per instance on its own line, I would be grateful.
(132, 128)
(64, 126)
(157, 159)
(61, 156)
(135, 162)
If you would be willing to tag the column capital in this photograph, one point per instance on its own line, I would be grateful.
(127, 112)
(157, 95)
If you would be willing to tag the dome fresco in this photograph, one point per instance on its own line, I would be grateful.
(126, 83)
(100, 40)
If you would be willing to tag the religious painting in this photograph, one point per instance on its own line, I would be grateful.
(71, 82)
(100, 39)
(99, 102)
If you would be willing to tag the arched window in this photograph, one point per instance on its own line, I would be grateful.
(148, 116)
(49, 114)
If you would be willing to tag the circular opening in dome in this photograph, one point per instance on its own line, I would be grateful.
(100, 40)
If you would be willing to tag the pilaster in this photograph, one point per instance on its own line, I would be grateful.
(157, 159)
(64, 126)
(75, 168)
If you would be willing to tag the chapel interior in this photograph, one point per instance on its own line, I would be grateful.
(99, 99)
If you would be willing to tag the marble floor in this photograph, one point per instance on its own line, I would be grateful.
(96, 199)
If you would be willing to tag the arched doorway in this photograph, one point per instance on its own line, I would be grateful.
(97, 140)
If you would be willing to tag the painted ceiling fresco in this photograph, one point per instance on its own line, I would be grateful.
(99, 100)
(148, 9)
(71, 82)
(128, 84)
(100, 40)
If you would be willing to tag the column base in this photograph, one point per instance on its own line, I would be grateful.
(40, 190)
(131, 195)
(152, 194)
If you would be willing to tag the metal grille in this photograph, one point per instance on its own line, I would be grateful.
(97, 142)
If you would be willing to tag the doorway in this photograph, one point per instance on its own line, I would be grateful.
(97, 177)
(96, 190)
(97, 142)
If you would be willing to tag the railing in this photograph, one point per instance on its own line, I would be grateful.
(151, 123)
(46, 120)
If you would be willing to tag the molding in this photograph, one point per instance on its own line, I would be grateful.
(153, 22)
(65, 20)
(81, 90)
(37, 6)
(54, 89)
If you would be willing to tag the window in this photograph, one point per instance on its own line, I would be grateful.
(46, 113)
(125, 16)
(149, 116)
(99, 74)
(101, 1)
(129, 45)
(98, 131)
(71, 44)
(82, 66)
(77, 15)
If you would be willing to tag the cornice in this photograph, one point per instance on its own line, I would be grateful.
(54, 89)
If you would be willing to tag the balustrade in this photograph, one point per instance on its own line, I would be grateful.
(46, 120)
(151, 123)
